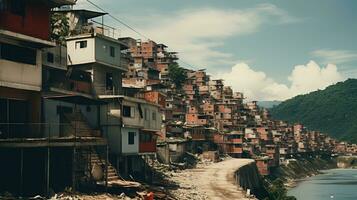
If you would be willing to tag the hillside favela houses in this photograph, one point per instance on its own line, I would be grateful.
(89, 108)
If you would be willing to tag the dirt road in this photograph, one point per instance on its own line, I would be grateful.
(217, 180)
(214, 182)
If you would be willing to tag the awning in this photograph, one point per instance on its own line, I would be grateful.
(76, 99)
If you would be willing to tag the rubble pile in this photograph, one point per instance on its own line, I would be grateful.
(93, 197)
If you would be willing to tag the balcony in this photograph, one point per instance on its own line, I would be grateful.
(98, 28)
(147, 147)
(48, 134)
(232, 149)
(237, 141)
(198, 136)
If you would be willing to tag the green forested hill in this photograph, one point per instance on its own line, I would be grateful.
(333, 110)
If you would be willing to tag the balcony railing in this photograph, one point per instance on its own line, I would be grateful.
(237, 141)
(45, 131)
(95, 27)
(147, 147)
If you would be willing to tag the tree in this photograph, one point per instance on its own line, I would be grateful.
(277, 191)
(177, 75)
(59, 27)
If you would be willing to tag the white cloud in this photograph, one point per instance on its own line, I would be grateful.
(334, 56)
(303, 79)
(197, 34)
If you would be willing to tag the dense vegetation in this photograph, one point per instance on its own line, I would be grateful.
(332, 111)
(277, 191)
(177, 74)
(59, 28)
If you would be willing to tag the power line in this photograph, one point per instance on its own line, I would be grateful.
(118, 20)
(131, 28)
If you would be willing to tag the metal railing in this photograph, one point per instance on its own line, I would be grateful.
(49, 131)
(95, 27)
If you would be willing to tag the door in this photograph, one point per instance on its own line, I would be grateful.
(3, 118)
(63, 112)
(18, 119)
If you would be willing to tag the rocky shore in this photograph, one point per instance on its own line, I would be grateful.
(294, 170)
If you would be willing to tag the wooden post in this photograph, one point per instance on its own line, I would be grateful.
(117, 164)
(73, 169)
(48, 172)
(21, 170)
(106, 166)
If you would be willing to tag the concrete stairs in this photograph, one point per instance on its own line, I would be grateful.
(96, 160)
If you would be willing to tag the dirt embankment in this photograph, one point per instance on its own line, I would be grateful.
(296, 169)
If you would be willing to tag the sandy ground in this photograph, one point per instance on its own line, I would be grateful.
(213, 181)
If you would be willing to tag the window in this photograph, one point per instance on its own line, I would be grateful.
(140, 111)
(50, 57)
(131, 138)
(18, 54)
(146, 114)
(128, 111)
(81, 44)
(15, 7)
(112, 51)
(154, 116)
(109, 81)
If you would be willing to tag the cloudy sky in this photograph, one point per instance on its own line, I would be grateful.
(270, 50)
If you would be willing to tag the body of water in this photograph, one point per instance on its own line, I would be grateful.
(337, 184)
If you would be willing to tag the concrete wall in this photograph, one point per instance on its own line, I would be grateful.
(113, 134)
(20, 75)
(59, 57)
(248, 177)
(81, 55)
(147, 121)
(102, 51)
(99, 79)
(130, 148)
(163, 153)
(52, 117)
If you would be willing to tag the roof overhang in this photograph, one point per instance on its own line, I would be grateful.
(88, 14)
(75, 98)
(126, 98)
(24, 40)
(57, 3)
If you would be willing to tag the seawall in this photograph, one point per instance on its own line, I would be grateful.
(248, 178)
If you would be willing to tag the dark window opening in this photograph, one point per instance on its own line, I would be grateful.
(109, 81)
(131, 138)
(154, 116)
(15, 7)
(112, 51)
(146, 114)
(140, 111)
(128, 111)
(18, 54)
(50, 57)
(81, 44)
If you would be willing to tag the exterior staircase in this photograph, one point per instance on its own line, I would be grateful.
(79, 126)
(87, 163)
(95, 159)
